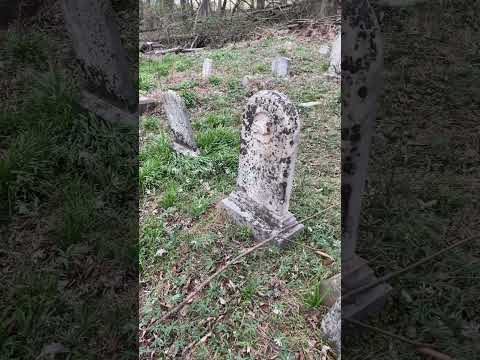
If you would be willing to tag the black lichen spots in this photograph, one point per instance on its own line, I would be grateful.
(346, 193)
(249, 116)
(363, 92)
(283, 191)
(348, 64)
(287, 160)
(348, 166)
(356, 12)
(355, 135)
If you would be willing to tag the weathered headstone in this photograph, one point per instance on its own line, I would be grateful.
(335, 68)
(268, 149)
(179, 124)
(280, 67)
(207, 70)
(99, 50)
(362, 60)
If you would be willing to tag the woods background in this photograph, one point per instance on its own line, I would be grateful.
(192, 23)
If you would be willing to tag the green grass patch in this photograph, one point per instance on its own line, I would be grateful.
(267, 290)
(215, 80)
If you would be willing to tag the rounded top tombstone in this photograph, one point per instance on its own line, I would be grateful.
(269, 141)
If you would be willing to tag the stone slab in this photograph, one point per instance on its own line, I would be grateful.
(262, 222)
(362, 305)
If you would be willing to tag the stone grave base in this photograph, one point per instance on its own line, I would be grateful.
(105, 110)
(184, 150)
(357, 273)
(263, 222)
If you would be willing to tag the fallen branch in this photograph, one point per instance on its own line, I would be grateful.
(190, 297)
(425, 349)
(408, 268)
(175, 50)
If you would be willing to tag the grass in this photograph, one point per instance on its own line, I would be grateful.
(258, 307)
(67, 211)
(420, 199)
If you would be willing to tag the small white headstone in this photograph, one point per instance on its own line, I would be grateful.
(268, 150)
(280, 67)
(179, 123)
(324, 49)
(207, 70)
(335, 68)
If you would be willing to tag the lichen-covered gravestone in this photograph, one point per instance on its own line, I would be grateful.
(179, 124)
(280, 67)
(207, 69)
(99, 50)
(268, 150)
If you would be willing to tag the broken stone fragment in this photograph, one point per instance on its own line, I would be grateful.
(106, 110)
(269, 142)
(332, 288)
(146, 105)
(331, 326)
(179, 124)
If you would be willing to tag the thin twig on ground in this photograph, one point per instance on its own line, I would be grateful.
(425, 349)
(406, 269)
(202, 285)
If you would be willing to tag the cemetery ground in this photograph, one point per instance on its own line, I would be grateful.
(422, 193)
(269, 305)
(68, 211)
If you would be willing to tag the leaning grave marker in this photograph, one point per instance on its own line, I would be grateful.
(98, 48)
(268, 149)
(179, 124)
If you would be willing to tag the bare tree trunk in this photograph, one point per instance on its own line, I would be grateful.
(204, 8)
(224, 6)
(236, 7)
(260, 4)
(324, 7)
